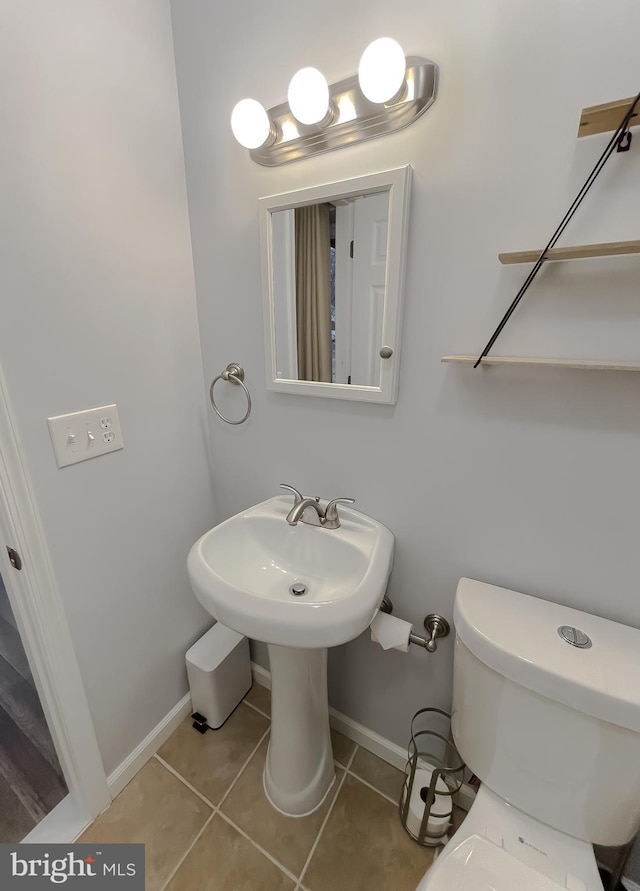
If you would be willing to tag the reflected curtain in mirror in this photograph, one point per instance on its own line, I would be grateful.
(313, 292)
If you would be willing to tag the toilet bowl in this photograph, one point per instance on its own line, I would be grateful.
(546, 712)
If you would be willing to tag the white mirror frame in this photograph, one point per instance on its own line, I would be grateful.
(398, 183)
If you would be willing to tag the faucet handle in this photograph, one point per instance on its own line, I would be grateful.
(331, 518)
(297, 496)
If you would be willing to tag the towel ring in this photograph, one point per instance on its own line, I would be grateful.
(234, 373)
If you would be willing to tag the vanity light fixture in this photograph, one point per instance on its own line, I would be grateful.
(389, 93)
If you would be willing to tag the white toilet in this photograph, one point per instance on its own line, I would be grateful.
(546, 712)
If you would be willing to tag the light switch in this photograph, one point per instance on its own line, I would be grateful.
(85, 434)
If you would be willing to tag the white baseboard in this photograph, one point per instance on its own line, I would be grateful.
(368, 739)
(148, 747)
(261, 675)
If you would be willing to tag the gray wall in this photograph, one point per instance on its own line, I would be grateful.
(524, 478)
(97, 305)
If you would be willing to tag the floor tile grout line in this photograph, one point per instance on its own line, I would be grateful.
(256, 709)
(326, 819)
(179, 776)
(298, 881)
(372, 787)
(255, 844)
(242, 769)
(188, 851)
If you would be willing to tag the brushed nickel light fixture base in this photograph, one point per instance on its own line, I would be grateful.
(355, 118)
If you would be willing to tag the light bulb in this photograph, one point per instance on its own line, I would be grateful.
(250, 123)
(382, 70)
(308, 96)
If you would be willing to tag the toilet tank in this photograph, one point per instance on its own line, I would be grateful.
(552, 728)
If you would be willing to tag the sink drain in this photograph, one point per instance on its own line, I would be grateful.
(298, 589)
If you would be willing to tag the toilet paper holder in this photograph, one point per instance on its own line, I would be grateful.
(434, 774)
(436, 626)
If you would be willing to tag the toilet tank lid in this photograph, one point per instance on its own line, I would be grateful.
(517, 636)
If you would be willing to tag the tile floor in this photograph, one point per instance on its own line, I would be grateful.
(200, 809)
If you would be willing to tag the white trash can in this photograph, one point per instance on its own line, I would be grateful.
(219, 671)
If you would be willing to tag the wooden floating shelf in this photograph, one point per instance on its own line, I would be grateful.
(573, 252)
(607, 117)
(559, 363)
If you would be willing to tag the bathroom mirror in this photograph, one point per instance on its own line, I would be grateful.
(333, 261)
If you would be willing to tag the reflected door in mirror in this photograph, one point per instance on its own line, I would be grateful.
(329, 276)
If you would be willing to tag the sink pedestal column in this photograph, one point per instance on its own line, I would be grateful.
(299, 770)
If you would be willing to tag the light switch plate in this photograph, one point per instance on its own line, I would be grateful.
(85, 434)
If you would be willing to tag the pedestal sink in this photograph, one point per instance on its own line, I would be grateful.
(301, 589)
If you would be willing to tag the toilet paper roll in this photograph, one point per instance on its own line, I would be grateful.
(391, 633)
(437, 825)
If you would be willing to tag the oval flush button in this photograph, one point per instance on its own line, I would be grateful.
(574, 636)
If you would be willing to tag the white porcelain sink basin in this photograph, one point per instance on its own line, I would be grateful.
(242, 570)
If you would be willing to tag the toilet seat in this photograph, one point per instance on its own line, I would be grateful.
(476, 864)
(499, 848)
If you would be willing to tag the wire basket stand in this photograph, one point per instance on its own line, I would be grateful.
(431, 778)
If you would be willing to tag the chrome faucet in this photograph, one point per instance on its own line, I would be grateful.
(327, 517)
